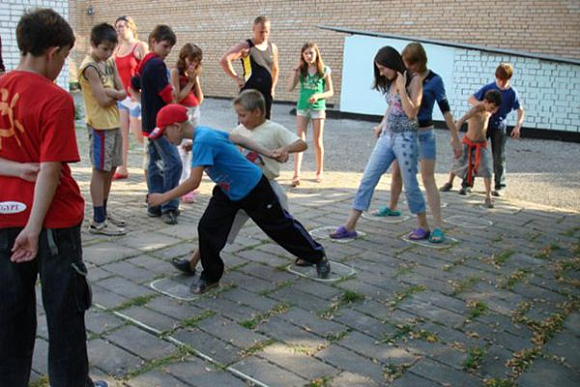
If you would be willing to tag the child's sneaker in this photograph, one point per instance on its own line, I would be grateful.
(104, 228)
(446, 187)
(116, 221)
(189, 197)
(465, 191)
(323, 268)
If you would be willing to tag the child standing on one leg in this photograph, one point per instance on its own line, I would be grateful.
(152, 82)
(240, 186)
(188, 92)
(497, 131)
(102, 88)
(415, 59)
(315, 87)
(250, 107)
(397, 135)
(475, 160)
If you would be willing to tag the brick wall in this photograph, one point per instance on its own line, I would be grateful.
(10, 13)
(528, 25)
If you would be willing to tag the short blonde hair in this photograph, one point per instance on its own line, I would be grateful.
(251, 100)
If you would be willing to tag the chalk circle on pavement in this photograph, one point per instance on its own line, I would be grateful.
(338, 271)
(448, 242)
(322, 233)
(473, 222)
(173, 288)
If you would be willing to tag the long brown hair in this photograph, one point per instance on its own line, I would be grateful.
(319, 61)
(388, 57)
(188, 51)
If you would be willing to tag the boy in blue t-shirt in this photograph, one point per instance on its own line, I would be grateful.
(240, 186)
(497, 130)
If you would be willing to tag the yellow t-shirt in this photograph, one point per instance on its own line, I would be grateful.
(271, 136)
(99, 117)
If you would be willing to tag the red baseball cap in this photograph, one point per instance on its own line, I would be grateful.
(168, 115)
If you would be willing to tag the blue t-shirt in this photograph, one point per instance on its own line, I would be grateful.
(223, 163)
(509, 101)
(433, 90)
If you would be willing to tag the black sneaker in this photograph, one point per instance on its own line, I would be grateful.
(170, 217)
(202, 286)
(498, 192)
(465, 191)
(153, 212)
(323, 268)
(183, 265)
(446, 187)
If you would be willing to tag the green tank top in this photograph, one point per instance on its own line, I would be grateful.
(310, 85)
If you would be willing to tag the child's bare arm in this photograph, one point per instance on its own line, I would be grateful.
(197, 90)
(411, 101)
(99, 92)
(275, 69)
(121, 94)
(25, 171)
(26, 243)
(234, 53)
(179, 93)
(470, 113)
(188, 185)
(294, 78)
(517, 128)
(250, 144)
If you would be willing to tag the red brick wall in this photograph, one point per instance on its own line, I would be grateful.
(548, 27)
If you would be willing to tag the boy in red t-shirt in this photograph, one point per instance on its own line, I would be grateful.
(41, 209)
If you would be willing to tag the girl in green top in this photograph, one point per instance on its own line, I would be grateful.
(315, 88)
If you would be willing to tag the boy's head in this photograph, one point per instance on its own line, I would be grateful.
(250, 107)
(44, 32)
(503, 74)
(492, 100)
(169, 121)
(261, 29)
(161, 40)
(104, 39)
(415, 57)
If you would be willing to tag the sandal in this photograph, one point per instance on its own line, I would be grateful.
(183, 265)
(419, 234)
(343, 233)
(295, 181)
(385, 211)
(319, 178)
(437, 236)
(302, 262)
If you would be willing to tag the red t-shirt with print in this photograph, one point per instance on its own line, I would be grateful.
(37, 125)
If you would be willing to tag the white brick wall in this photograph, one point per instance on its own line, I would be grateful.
(10, 13)
(549, 91)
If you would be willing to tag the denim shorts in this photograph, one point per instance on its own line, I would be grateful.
(134, 108)
(312, 114)
(427, 144)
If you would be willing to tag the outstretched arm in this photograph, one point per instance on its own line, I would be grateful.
(25, 171)
(250, 144)
(156, 199)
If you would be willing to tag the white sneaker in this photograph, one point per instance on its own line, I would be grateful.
(106, 229)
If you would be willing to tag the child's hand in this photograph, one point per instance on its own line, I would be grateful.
(401, 81)
(187, 146)
(29, 171)
(155, 199)
(377, 130)
(516, 132)
(240, 81)
(313, 99)
(281, 155)
(457, 148)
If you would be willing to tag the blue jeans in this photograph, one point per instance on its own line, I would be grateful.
(427, 145)
(66, 296)
(390, 146)
(164, 177)
(498, 138)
